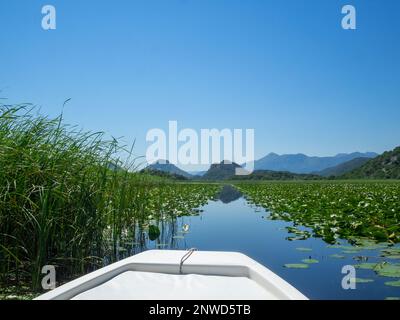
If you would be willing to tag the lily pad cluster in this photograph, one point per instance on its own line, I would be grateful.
(297, 234)
(383, 269)
(333, 210)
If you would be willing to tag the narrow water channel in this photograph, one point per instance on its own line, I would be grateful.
(231, 224)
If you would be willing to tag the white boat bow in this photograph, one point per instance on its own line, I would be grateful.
(160, 275)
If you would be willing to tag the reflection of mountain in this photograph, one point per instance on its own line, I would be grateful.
(229, 194)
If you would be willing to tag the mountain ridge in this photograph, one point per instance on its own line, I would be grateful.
(385, 166)
(343, 168)
(166, 166)
(221, 171)
(301, 163)
(286, 166)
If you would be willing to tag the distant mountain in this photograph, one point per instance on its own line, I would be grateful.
(385, 166)
(197, 173)
(221, 171)
(277, 175)
(301, 163)
(166, 166)
(343, 167)
(164, 174)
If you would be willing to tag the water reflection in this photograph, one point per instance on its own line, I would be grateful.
(235, 225)
(228, 194)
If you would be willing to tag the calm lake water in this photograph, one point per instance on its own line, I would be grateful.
(232, 225)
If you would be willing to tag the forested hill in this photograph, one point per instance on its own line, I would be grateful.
(385, 166)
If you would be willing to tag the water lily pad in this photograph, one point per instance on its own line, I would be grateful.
(366, 243)
(304, 249)
(372, 247)
(334, 246)
(349, 251)
(296, 265)
(393, 283)
(337, 256)
(360, 258)
(366, 266)
(361, 280)
(393, 257)
(392, 298)
(310, 261)
(178, 237)
(297, 238)
(391, 253)
(388, 270)
(299, 234)
(346, 249)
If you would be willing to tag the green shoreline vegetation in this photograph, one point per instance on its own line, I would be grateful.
(349, 210)
(63, 202)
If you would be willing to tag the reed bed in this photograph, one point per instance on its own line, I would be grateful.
(65, 198)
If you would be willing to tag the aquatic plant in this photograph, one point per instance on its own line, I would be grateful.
(362, 212)
(67, 198)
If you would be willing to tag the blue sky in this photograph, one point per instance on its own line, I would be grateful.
(285, 68)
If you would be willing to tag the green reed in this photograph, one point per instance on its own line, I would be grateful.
(62, 197)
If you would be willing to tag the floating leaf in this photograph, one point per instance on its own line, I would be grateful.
(366, 266)
(178, 237)
(337, 256)
(394, 257)
(392, 298)
(366, 243)
(331, 210)
(361, 280)
(299, 234)
(296, 265)
(372, 247)
(393, 283)
(335, 246)
(388, 270)
(391, 253)
(360, 258)
(310, 261)
(304, 249)
(297, 238)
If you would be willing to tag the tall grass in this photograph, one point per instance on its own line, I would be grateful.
(58, 194)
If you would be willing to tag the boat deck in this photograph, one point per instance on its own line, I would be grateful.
(161, 275)
(133, 285)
